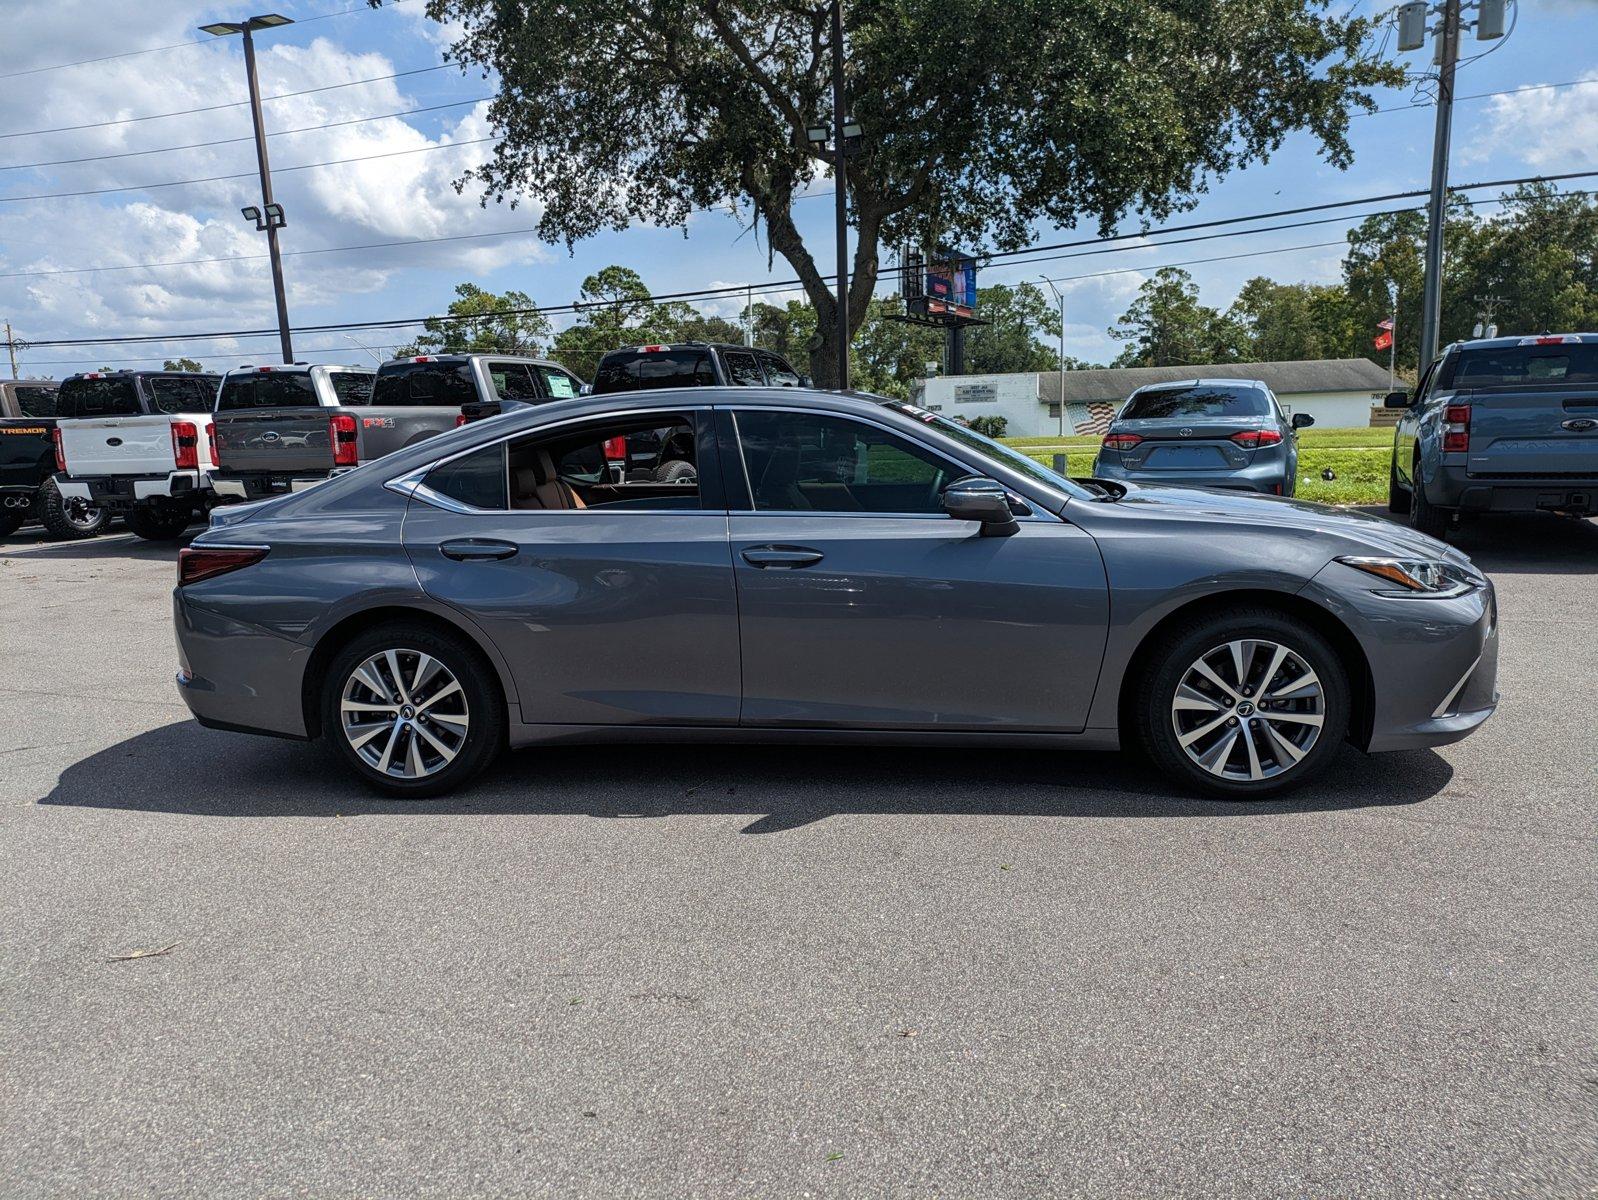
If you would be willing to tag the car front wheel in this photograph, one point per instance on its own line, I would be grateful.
(1243, 705)
(413, 711)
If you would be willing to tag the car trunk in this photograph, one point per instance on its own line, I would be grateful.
(120, 445)
(1197, 445)
(1539, 431)
(275, 440)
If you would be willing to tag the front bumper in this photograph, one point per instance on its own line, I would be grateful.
(1433, 662)
(122, 492)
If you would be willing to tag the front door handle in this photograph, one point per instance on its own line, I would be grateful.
(781, 557)
(477, 549)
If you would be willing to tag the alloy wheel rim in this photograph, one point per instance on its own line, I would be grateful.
(404, 714)
(1248, 710)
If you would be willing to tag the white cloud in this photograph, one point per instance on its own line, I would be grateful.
(1549, 129)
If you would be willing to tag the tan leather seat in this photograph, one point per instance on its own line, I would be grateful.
(538, 486)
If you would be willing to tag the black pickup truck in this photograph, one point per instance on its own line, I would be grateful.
(28, 490)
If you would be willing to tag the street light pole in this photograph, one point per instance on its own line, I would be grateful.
(1437, 206)
(273, 211)
(841, 195)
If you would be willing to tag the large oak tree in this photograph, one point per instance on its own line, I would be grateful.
(980, 117)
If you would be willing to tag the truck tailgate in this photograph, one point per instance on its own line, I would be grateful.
(1538, 432)
(119, 445)
(275, 440)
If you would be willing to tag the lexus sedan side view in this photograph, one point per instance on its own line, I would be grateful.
(1215, 433)
(833, 568)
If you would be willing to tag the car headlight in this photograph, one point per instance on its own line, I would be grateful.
(1415, 576)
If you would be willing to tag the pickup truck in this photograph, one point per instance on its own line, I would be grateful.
(284, 429)
(27, 465)
(133, 443)
(1506, 424)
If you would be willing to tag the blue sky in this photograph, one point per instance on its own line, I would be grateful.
(406, 194)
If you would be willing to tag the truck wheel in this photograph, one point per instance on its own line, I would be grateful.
(67, 520)
(159, 524)
(1397, 497)
(1243, 704)
(412, 710)
(1424, 516)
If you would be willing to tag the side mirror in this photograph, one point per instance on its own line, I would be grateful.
(1396, 400)
(977, 499)
(1302, 420)
(586, 390)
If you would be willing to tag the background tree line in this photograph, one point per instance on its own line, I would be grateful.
(1538, 256)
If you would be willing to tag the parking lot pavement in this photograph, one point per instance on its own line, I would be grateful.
(778, 972)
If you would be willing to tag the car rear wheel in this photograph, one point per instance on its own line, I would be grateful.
(1243, 705)
(413, 711)
(67, 520)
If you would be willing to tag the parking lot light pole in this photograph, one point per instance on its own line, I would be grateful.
(269, 217)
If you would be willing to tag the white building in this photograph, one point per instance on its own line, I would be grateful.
(1338, 392)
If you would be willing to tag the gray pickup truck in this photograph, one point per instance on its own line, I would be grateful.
(286, 428)
(1505, 424)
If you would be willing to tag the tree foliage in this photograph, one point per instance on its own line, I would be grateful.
(1167, 325)
(482, 323)
(181, 364)
(980, 118)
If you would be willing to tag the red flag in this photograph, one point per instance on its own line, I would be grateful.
(1383, 340)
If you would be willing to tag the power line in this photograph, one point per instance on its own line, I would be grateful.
(185, 112)
(332, 162)
(83, 62)
(404, 112)
(788, 284)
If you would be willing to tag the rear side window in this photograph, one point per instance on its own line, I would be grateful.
(633, 370)
(560, 384)
(351, 388)
(477, 478)
(433, 384)
(112, 397)
(513, 381)
(1196, 402)
(742, 369)
(778, 373)
(175, 394)
(36, 401)
(1522, 366)
(267, 390)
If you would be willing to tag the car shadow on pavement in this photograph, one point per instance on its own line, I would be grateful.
(31, 544)
(782, 787)
(1523, 544)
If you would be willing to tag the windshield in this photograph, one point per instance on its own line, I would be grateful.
(1522, 366)
(990, 449)
(1195, 402)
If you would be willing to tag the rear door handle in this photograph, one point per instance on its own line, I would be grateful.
(781, 557)
(477, 549)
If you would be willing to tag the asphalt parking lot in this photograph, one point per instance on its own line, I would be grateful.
(773, 972)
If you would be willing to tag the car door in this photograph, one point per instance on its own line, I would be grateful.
(614, 604)
(862, 605)
(1409, 425)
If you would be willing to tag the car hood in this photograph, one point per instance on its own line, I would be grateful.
(1365, 533)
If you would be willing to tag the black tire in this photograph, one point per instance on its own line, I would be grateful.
(67, 520)
(676, 471)
(159, 523)
(1156, 692)
(1397, 495)
(484, 706)
(1424, 516)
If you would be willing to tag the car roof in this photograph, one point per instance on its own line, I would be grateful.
(295, 368)
(459, 358)
(47, 383)
(1521, 339)
(642, 346)
(1175, 384)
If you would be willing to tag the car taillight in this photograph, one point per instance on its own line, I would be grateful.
(616, 449)
(461, 419)
(1121, 441)
(60, 454)
(1251, 439)
(204, 562)
(185, 445)
(341, 432)
(210, 442)
(1456, 428)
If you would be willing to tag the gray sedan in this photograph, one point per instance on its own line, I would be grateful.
(814, 567)
(1218, 433)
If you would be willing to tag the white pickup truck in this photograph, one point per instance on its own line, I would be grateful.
(138, 444)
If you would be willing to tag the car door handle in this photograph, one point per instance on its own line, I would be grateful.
(781, 557)
(477, 549)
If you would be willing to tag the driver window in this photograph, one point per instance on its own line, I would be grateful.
(643, 462)
(806, 462)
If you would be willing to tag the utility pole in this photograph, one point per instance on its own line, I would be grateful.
(749, 315)
(1437, 207)
(1059, 297)
(841, 195)
(1484, 325)
(11, 347)
(1392, 349)
(269, 217)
